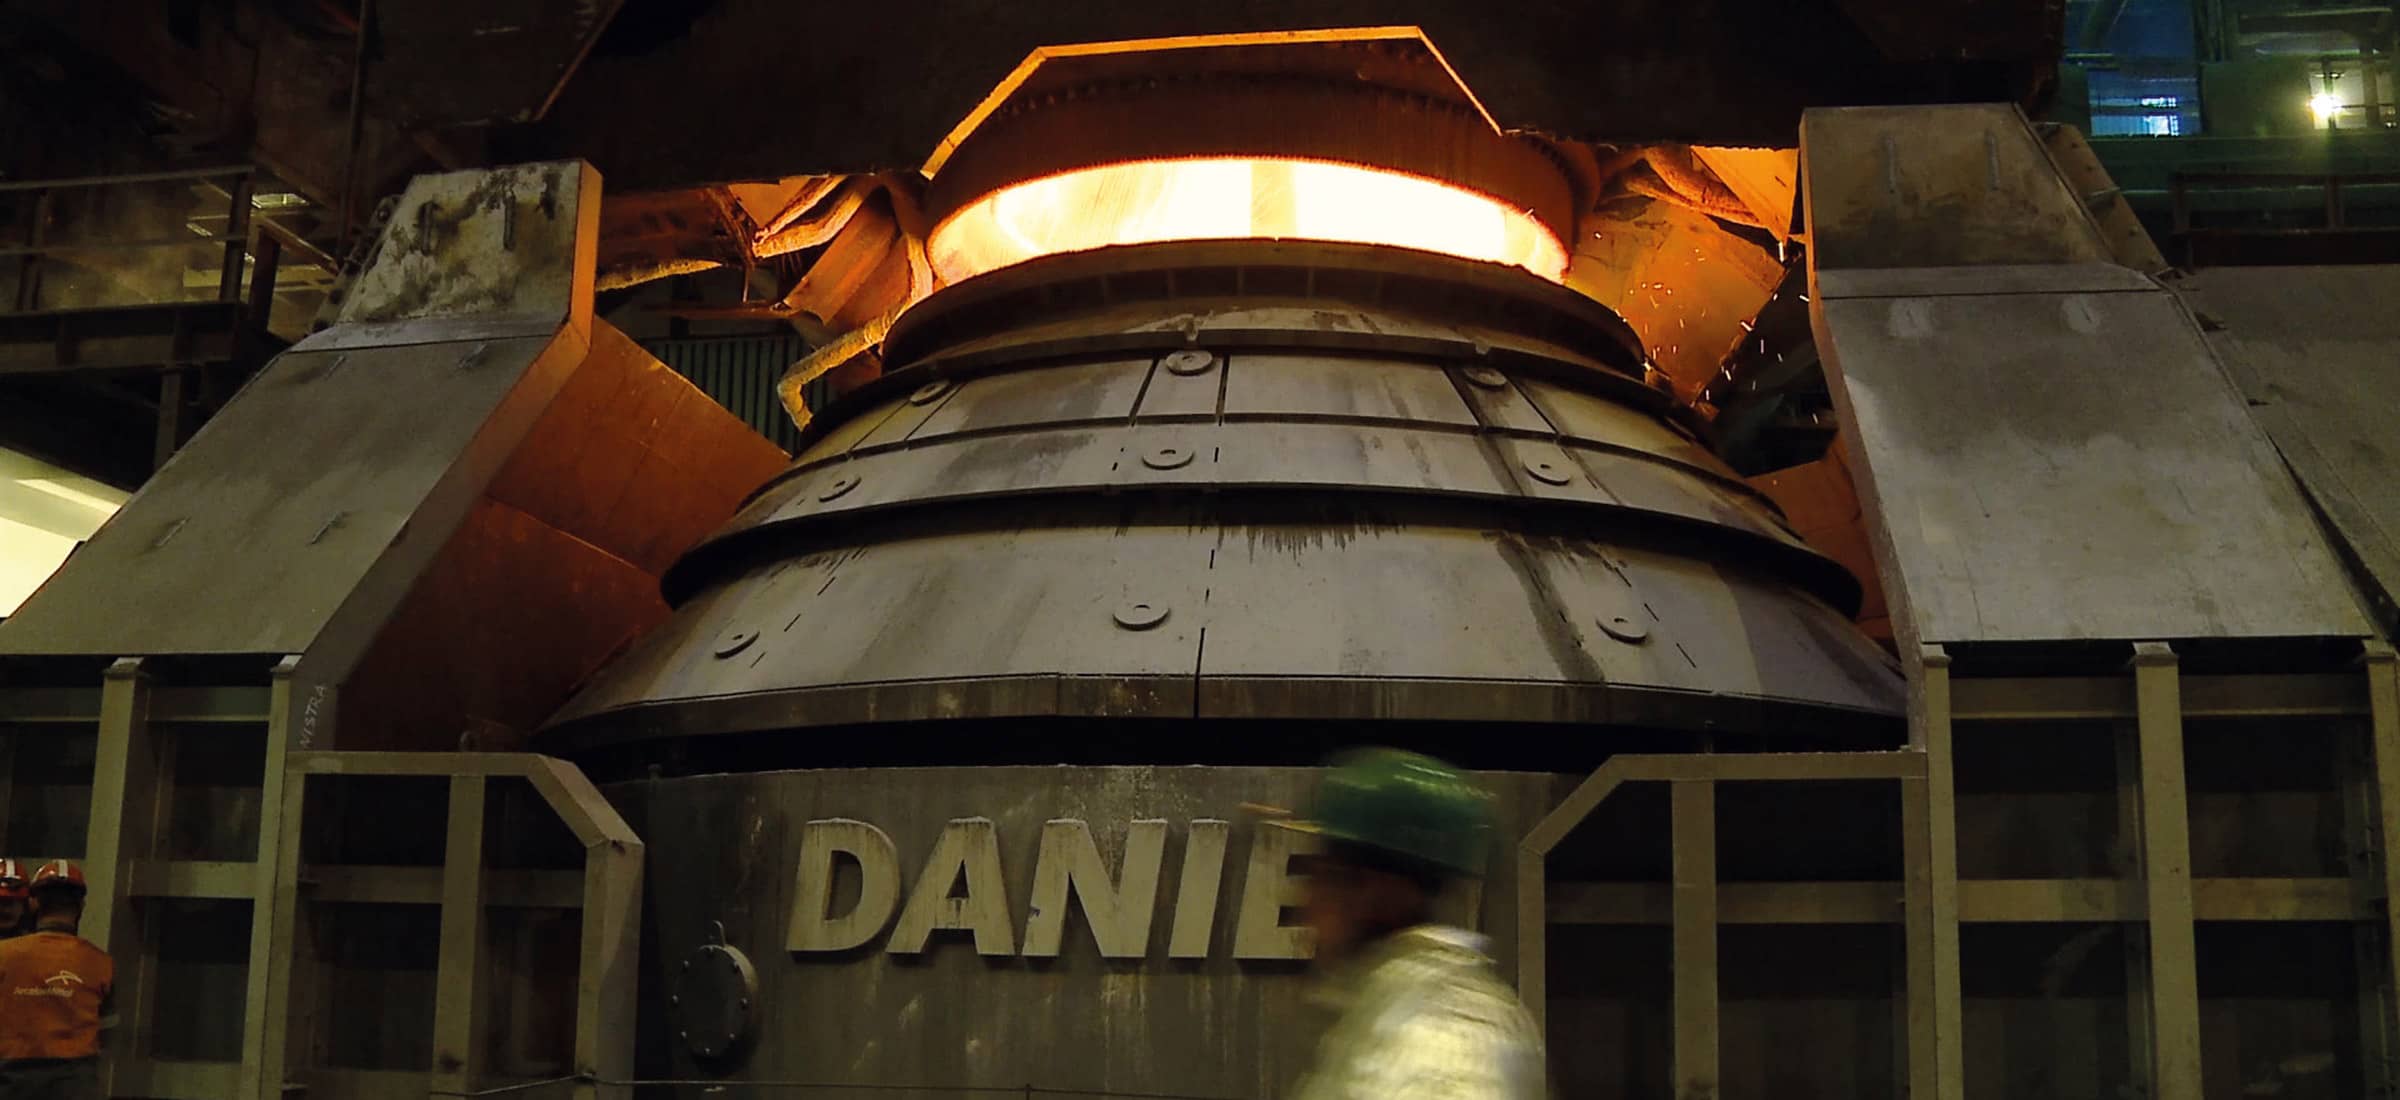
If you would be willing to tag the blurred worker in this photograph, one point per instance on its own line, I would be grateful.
(54, 995)
(12, 899)
(1422, 1014)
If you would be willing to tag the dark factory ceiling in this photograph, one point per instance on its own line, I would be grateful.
(668, 93)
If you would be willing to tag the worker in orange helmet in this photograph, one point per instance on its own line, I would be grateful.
(55, 990)
(12, 899)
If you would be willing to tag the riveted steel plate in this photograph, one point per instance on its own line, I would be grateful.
(1582, 417)
(1140, 614)
(735, 642)
(1188, 362)
(1625, 628)
(1550, 471)
(1169, 456)
(1659, 487)
(1077, 394)
(1503, 407)
(1363, 533)
(838, 440)
(1171, 394)
(1368, 456)
(1545, 470)
(954, 468)
(943, 607)
(900, 424)
(1395, 608)
(1314, 386)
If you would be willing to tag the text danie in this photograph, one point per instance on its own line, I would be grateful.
(1118, 906)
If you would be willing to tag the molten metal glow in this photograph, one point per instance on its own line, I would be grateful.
(1237, 197)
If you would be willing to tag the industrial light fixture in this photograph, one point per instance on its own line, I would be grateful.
(2325, 105)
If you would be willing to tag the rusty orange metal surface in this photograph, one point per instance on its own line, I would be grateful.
(557, 566)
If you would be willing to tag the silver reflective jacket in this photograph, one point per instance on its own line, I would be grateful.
(1422, 1016)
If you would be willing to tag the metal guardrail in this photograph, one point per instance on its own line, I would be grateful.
(2182, 184)
(2336, 240)
(30, 253)
(610, 913)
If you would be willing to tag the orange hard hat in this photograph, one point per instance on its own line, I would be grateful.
(59, 873)
(12, 879)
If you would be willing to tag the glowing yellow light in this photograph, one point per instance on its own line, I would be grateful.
(2326, 105)
(1219, 198)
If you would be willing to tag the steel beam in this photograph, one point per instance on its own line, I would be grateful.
(369, 885)
(8, 768)
(271, 945)
(1693, 835)
(606, 984)
(1932, 846)
(2166, 849)
(2084, 698)
(125, 786)
(271, 1004)
(1981, 901)
(129, 779)
(2136, 935)
(1919, 1024)
(1533, 852)
(213, 704)
(227, 880)
(2381, 987)
(1533, 934)
(170, 417)
(1747, 767)
(166, 1079)
(457, 1010)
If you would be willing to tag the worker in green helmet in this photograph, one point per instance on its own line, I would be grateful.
(1420, 1011)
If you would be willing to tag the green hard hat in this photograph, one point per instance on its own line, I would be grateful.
(1403, 804)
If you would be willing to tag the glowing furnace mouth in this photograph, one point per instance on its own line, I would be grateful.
(1211, 198)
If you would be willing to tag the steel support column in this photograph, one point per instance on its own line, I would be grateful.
(1533, 934)
(272, 947)
(612, 896)
(2167, 877)
(2382, 985)
(1929, 845)
(2139, 1028)
(272, 1001)
(8, 781)
(456, 1012)
(1693, 833)
(125, 785)
(129, 779)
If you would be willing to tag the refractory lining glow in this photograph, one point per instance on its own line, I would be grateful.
(1217, 198)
